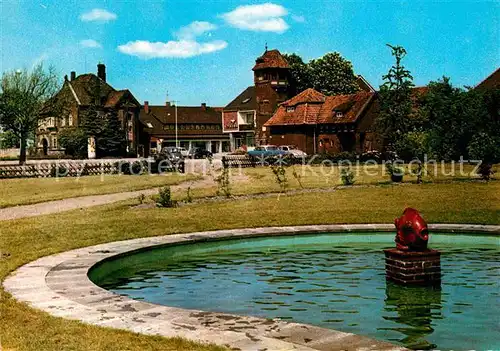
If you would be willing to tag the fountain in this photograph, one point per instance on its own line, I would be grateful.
(411, 262)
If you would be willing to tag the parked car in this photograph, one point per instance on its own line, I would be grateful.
(266, 151)
(169, 153)
(292, 150)
(198, 152)
(177, 150)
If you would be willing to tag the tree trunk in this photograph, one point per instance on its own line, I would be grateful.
(22, 154)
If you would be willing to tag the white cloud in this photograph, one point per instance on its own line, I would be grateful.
(195, 29)
(260, 18)
(298, 19)
(90, 43)
(99, 15)
(176, 49)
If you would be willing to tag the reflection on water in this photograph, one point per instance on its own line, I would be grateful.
(413, 309)
(332, 281)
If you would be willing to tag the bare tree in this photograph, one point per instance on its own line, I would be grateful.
(22, 97)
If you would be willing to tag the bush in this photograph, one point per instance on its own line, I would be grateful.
(165, 198)
(485, 171)
(280, 176)
(223, 182)
(74, 141)
(347, 176)
(395, 172)
(484, 147)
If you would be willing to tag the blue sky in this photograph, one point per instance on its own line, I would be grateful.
(203, 51)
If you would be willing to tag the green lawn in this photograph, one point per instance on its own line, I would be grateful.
(34, 190)
(24, 240)
(262, 180)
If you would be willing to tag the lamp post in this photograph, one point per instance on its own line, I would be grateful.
(176, 127)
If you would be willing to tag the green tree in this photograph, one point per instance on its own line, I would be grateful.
(396, 104)
(22, 97)
(8, 140)
(106, 128)
(111, 141)
(332, 75)
(74, 140)
(300, 75)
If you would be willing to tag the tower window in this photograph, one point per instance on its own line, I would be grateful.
(290, 109)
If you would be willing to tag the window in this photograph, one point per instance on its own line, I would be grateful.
(149, 124)
(339, 114)
(249, 118)
(63, 122)
(70, 119)
(246, 100)
(290, 109)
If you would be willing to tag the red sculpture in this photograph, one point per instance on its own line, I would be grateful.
(412, 232)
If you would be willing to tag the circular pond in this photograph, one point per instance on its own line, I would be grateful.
(331, 280)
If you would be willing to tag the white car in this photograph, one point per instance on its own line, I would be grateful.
(292, 150)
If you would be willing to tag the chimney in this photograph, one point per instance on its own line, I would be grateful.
(101, 71)
(146, 107)
(167, 103)
(203, 106)
(73, 75)
(65, 77)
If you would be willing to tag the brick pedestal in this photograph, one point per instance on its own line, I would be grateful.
(413, 268)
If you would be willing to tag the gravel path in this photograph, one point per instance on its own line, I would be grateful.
(56, 206)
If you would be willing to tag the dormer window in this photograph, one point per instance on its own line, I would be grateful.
(339, 114)
(290, 109)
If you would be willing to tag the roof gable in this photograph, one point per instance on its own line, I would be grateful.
(307, 96)
(349, 107)
(245, 101)
(271, 59)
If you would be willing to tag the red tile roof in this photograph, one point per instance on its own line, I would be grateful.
(311, 107)
(350, 106)
(309, 95)
(270, 59)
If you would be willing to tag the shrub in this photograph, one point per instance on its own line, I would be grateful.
(189, 196)
(141, 198)
(394, 171)
(74, 141)
(485, 171)
(223, 182)
(165, 198)
(280, 176)
(347, 176)
(484, 147)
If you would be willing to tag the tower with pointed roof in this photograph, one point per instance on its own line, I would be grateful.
(271, 70)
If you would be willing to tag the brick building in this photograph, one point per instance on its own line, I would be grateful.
(78, 94)
(197, 126)
(316, 123)
(245, 116)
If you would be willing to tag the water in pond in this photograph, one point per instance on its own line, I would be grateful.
(333, 281)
